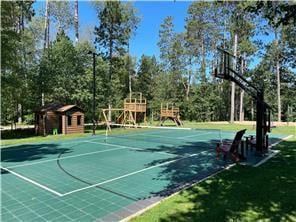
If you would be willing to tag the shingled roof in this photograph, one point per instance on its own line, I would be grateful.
(57, 107)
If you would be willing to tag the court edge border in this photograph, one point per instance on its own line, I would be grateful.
(193, 184)
(275, 152)
(182, 189)
(97, 135)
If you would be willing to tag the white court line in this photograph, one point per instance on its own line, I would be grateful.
(47, 143)
(275, 152)
(154, 135)
(147, 133)
(129, 147)
(126, 175)
(186, 186)
(196, 135)
(33, 182)
(151, 127)
(120, 147)
(66, 157)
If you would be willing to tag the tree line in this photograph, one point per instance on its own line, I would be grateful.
(41, 64)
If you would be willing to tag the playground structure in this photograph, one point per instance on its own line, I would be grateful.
(170, 112)
(229, 70)
(134, 110)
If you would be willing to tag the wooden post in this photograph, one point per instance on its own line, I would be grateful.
(109, 112)
(136, 116)
(124, 116)
(64, 124)
(259, 125)
(106, 120)
(94, 95)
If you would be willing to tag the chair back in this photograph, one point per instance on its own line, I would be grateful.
(237, 140)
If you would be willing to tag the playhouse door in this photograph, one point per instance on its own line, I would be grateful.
(60, 124)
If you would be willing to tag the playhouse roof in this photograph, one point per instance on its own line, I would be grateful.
(57, 107)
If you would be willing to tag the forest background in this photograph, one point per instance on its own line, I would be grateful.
(41, 64)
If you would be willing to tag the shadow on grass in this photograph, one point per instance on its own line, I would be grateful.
(17, 134)
(240, 194)
(30, 133)
(30, 152)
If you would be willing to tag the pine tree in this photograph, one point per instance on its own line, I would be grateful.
(76, 21)
(117, 23)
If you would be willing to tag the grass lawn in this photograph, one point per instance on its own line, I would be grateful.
(242, 193)
(27, 136)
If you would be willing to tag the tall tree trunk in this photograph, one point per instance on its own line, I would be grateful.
(129, 71)
(203, 62)
(46, 42)
(110, 72)
(252, 110)
(19, 30)
(278, 77)
(242, 92)
(130, 83)
(76, 22)
(241, 106)
(19, 112)
(46, 26)
(188, 84)
(232, 83)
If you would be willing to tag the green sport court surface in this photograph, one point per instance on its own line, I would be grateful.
(105, 179)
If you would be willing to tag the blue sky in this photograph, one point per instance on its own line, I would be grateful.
(151, 13)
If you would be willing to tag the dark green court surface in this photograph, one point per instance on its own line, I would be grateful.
(99, 179)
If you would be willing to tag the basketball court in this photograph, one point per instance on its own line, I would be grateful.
(106, 178)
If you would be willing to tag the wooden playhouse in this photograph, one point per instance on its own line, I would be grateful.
(56, 118)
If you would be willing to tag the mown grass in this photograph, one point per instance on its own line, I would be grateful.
(28, 136)
(242, 193)
(288, 130)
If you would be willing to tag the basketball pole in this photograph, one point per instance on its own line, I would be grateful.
(94, 92)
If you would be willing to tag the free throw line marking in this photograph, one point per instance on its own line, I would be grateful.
(147, 133)
(127, 175)
(119, 147)
(33, 182)
(158, 136)
(66, 157)
(129, 147)
(196, 135)
(150, 127)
